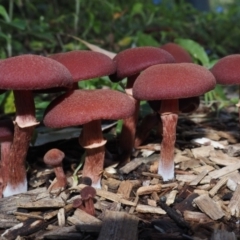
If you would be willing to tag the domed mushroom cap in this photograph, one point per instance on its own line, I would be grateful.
(134, 60)
(53, 157)
(28, 72)
(178, 52)
(82, 106)
(84, 64)
(88, 192)
(227, 70)
(173, 81)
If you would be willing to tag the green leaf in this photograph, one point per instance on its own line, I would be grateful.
(4, 14)
(137, 9)
(146, 40)
(195, 49)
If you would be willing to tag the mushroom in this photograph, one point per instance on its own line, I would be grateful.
(149, 121)
(227, 72)
(22, 74)
(169, 83)
(87, 108)
(54, 158)
(130, 63)
(178, 52)
(88, 194)
(85, 64)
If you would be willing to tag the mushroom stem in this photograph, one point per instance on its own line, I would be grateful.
(92, 140)
(60, 176)
(169, 117)
(127, 135)
(15, 166)
(25, 108)
(14, 169)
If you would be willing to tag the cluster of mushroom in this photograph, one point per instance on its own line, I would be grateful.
(165, 77)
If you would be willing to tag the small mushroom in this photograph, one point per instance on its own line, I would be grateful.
(169, 83)
(130, 63)
(87, 195)
(54, 158)
(88, 108)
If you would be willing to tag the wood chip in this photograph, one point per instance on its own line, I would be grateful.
(81, 217)
(198, 179)
(171, 197)
(208, 206)
(125, 189)
(132, 165)
(234, 204)
(225, 170)
(219, 184)
(119, 225)
(203, 151)
(149, 209)
(220, 234)
(196, 217)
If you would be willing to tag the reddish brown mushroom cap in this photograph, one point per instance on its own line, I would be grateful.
(178, 52)
(27, 72)
(82, 106)
(134, 60)
(88, 192)
(227, 70)
(54, 157)
(84, 64)
(173, 81)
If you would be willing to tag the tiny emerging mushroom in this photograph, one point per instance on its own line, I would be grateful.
(88, 194)
(169, 83)
(54, 158)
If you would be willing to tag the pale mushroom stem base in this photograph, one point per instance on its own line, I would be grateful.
(92, 140)
(166, 163)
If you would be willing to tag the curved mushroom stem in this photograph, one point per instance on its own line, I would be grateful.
(14, 169)
(127, 135)
(60, 177)
(169, 116)
(92, 140)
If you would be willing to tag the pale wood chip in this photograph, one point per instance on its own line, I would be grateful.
(234, 204)
(196, 217)
(224, 171)
(219, 184)
(149, 209)
(199, 177)
(221, 234)
(208, 206)
(203, 151)
(171, 197)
